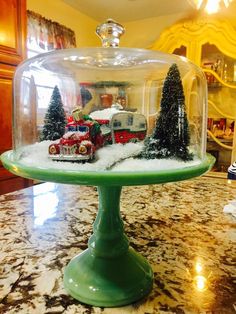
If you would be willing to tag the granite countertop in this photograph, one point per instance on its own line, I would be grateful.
(179, 227)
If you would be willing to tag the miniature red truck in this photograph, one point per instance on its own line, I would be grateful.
(79, 143)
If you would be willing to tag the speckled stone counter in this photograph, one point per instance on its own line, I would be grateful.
(179, 227)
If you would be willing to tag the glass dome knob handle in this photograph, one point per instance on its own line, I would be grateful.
(110, 32)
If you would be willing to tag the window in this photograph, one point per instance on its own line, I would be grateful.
(33, 49)
(130, 120)
(44, 35)
(116, 124)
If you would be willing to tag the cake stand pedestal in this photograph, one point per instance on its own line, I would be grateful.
(109, 273)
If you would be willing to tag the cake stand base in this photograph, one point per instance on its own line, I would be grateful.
(108, 282)
(109, 273)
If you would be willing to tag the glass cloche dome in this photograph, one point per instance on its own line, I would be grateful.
(109, 109)
(109, 117)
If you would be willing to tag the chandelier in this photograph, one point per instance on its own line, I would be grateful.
(211, 6)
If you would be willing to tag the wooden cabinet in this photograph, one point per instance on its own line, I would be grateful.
(12, 52)
(211, 44)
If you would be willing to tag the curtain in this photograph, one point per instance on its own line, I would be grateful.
(45, 35)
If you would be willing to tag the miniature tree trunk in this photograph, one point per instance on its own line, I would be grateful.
(170, 138)
(55, 118)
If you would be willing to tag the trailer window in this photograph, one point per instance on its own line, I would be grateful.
(116, 124)
(130, 120)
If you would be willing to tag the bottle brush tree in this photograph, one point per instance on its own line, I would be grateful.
(170, 137)
(55, 118)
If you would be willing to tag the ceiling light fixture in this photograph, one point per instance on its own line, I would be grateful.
(211, 6)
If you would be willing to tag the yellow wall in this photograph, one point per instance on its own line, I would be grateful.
(56, 10)
(142, 33)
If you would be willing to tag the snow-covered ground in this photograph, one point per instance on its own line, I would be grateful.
(116, 157)
(105, 113)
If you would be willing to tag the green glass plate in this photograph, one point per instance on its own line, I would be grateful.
(105, 178)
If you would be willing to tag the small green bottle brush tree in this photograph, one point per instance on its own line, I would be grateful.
(170, 137)
(55, 118)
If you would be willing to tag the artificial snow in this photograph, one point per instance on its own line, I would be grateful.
(116, 157)
(74, 134)
(132, 164)
(105, 114)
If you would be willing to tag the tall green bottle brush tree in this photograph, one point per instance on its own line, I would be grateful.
(170, 137)
(55, 118)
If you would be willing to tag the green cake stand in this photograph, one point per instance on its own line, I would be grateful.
(109, 273)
